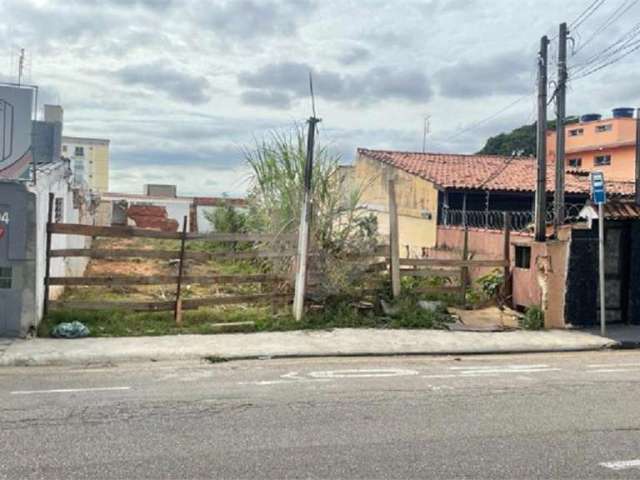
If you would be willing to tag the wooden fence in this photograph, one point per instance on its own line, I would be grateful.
(181, 255)
(443, 268)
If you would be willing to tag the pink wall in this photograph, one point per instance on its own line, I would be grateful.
(489, 244)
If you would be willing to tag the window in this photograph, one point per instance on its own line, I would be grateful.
(79, 152)
(58, 210)
(523, 256)
(601, 160)
(575, 162)
(64, 149)
(604, 128)
(5, 277)
(576, 131)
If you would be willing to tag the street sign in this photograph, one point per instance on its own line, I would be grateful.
(598, 190)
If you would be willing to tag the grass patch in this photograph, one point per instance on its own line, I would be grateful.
(340, 313)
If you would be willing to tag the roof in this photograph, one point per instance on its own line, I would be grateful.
(86, 140)
(202, 201)
(615, 210)
(485, 172)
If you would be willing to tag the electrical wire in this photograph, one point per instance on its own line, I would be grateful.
(620, 44)
(586, 13)
(617, 13)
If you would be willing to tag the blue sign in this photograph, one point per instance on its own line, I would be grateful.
(598, 190)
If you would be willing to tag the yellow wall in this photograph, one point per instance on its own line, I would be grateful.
(95, 160)
(416, 199)
(619, 142)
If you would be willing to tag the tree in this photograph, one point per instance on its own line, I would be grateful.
(520, 141)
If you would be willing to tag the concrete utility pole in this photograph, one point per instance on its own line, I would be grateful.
(638, 156)
(425, 131)
(305, 221)
(561, 103)
(541, 154)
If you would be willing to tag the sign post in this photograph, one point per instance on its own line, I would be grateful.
(599, 196)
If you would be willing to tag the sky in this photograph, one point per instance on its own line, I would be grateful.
(182, 87)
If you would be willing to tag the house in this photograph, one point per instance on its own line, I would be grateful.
(596, 143)
(433, 189)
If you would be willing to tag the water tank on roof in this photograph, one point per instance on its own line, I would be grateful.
(590, 117)
(623, 112)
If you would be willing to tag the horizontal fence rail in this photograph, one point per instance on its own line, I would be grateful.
(265, 247)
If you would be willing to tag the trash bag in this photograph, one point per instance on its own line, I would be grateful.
(70, 330)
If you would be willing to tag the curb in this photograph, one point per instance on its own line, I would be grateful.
(216, 358)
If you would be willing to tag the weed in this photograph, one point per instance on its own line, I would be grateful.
(533, 318)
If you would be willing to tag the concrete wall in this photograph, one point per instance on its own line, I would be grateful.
(417, 201)
(29, 205)
(619, 142)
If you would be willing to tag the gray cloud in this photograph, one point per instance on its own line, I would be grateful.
(178, 85)
(212, 157)
(246, 19)
(375, 85)
(503, 74)
(266, 98)
(355, 55)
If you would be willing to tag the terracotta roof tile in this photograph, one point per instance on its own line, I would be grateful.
(486, 172)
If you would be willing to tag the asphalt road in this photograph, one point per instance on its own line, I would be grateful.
(527, 416)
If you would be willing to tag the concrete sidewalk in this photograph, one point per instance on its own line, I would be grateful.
(340, 342)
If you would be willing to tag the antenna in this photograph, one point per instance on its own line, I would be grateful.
(313, 99)
(20, 66)
(425, 131)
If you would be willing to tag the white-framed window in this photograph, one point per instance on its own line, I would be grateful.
(604, 128)
(575, 162)
(576, 132)
(600, 160)
(79, 152)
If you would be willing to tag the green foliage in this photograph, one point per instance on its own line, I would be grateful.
(533, 318)
(227, 219)
(491, 283)
(521, 140)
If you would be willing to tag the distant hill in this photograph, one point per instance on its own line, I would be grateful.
(522, 140)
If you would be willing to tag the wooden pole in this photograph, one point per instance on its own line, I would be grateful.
(305, 223)
(177, 314)
(394, 239)
(47, 262)
(558, 199)
(507, 256)
(540, 209)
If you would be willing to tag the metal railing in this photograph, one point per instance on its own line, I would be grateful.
(494, 219)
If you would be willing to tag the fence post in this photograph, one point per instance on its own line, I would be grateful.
(47, 262)
(507, 257)
(394, 241)
(177, 313)
(464, 270)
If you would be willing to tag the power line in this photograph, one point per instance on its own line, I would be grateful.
(617, 13)
(635, 46)
(586, 13)
(488, 118)
(623, 42)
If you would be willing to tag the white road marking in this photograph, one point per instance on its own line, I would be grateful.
(440, 376)
(363, 373)
(506, 370)
(494, 367)
(613, 365)
(69, 390)
(621, 465)
(614, 370)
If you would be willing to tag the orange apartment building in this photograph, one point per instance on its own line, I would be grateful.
(608, 145)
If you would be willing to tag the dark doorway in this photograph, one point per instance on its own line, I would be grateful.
(617, 254)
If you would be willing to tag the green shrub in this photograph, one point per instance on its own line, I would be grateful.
(533, 318)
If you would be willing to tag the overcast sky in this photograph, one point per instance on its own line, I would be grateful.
(180, 86)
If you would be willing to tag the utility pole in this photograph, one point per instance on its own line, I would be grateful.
(541, 154)
(305, 221)
(638, 156)
(561, 103)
